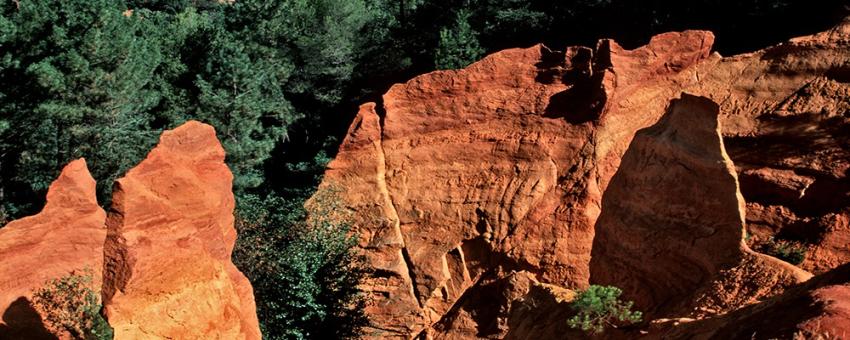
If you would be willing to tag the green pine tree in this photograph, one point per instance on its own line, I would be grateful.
(600, 307)
(458, 46)
(75, 81)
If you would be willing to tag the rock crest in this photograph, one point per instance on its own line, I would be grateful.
(463, 178)
(161, 257)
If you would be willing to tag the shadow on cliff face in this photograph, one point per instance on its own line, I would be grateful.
(579, 104)
(487, 301)
(21, 321)
(796, 142)
(585, 98)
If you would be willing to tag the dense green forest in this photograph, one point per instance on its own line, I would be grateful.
(280, 81)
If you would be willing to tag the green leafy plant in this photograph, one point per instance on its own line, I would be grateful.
(70, 304)
(600, 307)
(302, 265)
(458, 44)
(788, 251)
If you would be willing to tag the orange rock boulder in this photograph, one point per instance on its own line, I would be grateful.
(66, 236)
(167, 270)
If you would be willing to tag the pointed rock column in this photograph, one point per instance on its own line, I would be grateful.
(672, 224)
(66, 236)
(168, 272)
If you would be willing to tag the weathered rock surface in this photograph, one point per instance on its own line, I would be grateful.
(66, 236)
(161, 257)
(542, 314)
(167, 272)
(786, 127)
(672, 222)
(817, 309)
(460, 178)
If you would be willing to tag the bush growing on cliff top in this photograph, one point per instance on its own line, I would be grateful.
(70, 304)
(600, 307)
(303, 269)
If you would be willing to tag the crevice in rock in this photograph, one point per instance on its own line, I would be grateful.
(409, 264)
(840, 74)
(468, 294)
(117, 264)
(388, 199)
(585, 99)
(381, 111)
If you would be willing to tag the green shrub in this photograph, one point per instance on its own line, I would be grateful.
(788, 251)
(600, 307)
(302, 266)
(70, 304)
(458, 44)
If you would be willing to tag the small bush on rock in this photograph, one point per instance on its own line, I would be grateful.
(70, 304)
(600, 307)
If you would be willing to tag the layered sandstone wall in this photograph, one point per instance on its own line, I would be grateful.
(463, 179)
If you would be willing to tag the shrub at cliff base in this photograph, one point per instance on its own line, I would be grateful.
(302, 267)
(70, 304)
(788, 251)
(600, 307)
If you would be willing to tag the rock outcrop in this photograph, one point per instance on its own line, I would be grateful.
(460, 179)
(161, 257)
(485, 196)
(672, 222)
(785, 124)
(167, 270)
(817, 309)
(66, 236)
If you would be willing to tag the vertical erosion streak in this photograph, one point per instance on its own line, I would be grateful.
(388, 201)
(117, 263)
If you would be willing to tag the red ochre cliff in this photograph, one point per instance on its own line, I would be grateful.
(651, 169)
(161, 256)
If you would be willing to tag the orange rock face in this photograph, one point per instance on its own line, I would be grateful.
(785, 121)
(817, 309)
(462, 179)
(672, 222)
(66, 236)
(167, 270)
(164, 249)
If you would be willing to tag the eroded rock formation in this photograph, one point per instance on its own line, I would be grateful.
(785, 124)
(66, 236)
(817, 309)
(162, 254)
(167, 270)
(460, 179)
(672, 222)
